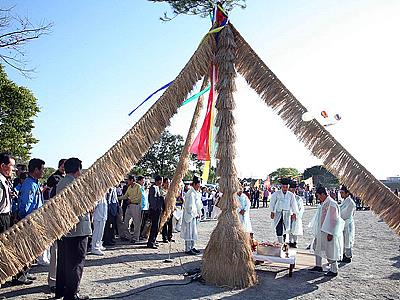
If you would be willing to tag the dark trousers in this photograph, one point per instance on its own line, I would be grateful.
(265, 202)
(256, 201)
(210, 204)
(167, 230)
(4, 222)
(155, 223)
(109, 230)
(145, 223)
(279, 228)
(71, 254)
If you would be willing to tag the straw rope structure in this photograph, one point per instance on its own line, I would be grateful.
(315, 137)
(183, 164)
(26, 240)
(227, 260)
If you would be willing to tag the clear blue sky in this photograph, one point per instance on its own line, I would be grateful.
(105, 57)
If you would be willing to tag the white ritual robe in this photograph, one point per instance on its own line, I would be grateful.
(244, 204)
(191, 214)
(347, 209)
(326, 221)
(296, 226)
(283, 205)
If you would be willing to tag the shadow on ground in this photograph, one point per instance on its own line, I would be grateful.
(276, 279)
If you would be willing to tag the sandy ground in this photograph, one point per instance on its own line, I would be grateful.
(126, 270)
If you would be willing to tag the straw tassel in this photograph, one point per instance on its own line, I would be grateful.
(32, 235)
(315, 137)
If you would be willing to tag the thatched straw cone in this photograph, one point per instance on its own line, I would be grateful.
(183, 165)
(315, 137)
(227, 259)
(25, 241)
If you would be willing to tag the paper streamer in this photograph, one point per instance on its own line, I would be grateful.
(194, 97)
(160, 89)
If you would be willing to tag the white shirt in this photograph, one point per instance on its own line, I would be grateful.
(5, 207)
(283, 201)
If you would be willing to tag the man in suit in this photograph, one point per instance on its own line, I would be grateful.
(72, 247)
(156, 206)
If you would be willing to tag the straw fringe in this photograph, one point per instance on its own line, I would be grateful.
(227, 258)
(315, 137)
(183, 164)
(32, 235)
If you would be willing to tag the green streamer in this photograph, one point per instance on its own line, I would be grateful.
(194, 97)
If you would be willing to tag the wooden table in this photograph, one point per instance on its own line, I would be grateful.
(291, 260)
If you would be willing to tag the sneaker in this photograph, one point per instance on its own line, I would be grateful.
(151, 246)
(330, 274)
(191, 252)
(294, 245)
(316, 269)
(102, 248)
(97, 252)
(346, 259)
(195, 251)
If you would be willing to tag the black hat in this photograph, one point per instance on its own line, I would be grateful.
(293, 184)
(196, 180)
(321, 190)
(344, 189)
(285, 181)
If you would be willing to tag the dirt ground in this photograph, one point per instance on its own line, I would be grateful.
(127, 270)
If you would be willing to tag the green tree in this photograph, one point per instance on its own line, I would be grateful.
(284, 173)
(196, 7)
(162, 157)
(321, 176)
(18, 107)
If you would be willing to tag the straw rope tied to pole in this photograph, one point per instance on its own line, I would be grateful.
(183, 164)
(315, 137)
(227, 258)
(27, 239)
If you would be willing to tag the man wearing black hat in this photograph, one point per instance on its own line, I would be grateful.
(347, 209)
(283, 209)
(296, 225)
(327, 228)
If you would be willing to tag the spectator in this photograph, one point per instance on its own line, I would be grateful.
(156, 206)
(99, 222)
(72, 247)
(112, 214)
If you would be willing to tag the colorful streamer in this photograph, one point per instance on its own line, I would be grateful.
(194, 97)
(206, 171)
(160, 89)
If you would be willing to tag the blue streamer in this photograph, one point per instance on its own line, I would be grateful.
(160, 89)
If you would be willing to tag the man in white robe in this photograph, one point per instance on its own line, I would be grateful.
(99, 223)
(191, 216)
(243, 210)
(296, 225)
(327, 227)
(347, 210)
(283, 210)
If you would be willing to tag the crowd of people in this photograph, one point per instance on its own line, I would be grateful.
(133, 210)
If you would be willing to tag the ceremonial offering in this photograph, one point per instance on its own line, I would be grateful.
(270, 249)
